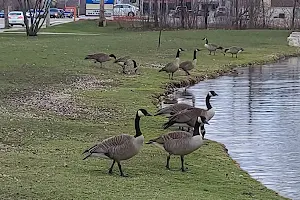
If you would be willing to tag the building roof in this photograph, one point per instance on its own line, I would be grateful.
(282, 3)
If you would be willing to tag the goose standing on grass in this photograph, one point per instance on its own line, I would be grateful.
(172, 67)
(120, 147)
(234, 50)
(180, 142)
(100, 57)
(188, 117)
(211, 47)
(189, 65)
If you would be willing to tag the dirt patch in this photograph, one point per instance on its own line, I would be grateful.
(59, 100)
(89, 82)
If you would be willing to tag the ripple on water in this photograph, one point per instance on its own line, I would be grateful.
(258, 119)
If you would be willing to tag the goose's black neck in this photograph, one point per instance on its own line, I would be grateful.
(196, 129)
(195, 55)
(206, 41)
(137, 126)
(177, 55)
(208, 102)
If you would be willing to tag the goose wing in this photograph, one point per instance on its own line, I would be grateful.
(107, 147)
(185, 64)
(169, 136)
(187, 114)
(173, 109)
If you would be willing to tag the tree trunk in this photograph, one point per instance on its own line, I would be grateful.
(102, 20)
(251, 14)
(237, 14)
(206, 13)
(293, 15)
(156, 13)
(263, 13)
(6, 23)
(182, 14)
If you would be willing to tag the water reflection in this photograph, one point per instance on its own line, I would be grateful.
(258, 119)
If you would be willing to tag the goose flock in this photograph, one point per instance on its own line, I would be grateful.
(171, 67)
(189, 119)
(125, 146)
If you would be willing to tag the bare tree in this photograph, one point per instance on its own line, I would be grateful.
(263, 13)
(293, 14)
(156, 13)
(38, 10)
(102, 20)
(5, 5)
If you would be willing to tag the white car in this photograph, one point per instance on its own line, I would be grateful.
(16, 18)
(125, 10)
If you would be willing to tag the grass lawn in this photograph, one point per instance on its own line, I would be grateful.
(54, 104)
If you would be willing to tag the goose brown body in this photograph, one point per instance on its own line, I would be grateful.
(188, 116)
(172, 67)
(180, 142)
(100, 57)
(120, 147)
(189, 65)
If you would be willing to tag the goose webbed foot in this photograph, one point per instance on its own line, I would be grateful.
(168, 162)
(121, 171)
(182, 164)
(111, 168)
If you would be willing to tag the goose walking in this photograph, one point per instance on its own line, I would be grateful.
(100, 57)
(181, 143)
(234, 50)
(120, 147)
(188, 117)
(189, 65)
(211, 47)
(172, 67)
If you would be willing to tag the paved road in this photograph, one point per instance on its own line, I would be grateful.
(52, 22)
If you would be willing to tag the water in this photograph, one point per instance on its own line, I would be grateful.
(258, 119)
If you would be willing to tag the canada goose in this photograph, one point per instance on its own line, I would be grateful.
(234, 50)
(100, 57)
(172, 67)
(187, 117)
(180, 142)
(125, 61)
(189, 65)
(120, 147)
(173, 109)
(211, 47)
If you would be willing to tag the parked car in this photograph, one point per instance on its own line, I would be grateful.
(1, 13)
(16, 18)
(125, 10)
(35, 13)
(55, 13)
(68, 14)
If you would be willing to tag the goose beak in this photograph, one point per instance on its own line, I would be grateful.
(148, 114)
(206, 122)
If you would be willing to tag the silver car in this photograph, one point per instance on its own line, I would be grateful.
(16, 18)
(125, 10)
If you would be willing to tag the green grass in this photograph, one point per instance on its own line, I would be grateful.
(41, 141)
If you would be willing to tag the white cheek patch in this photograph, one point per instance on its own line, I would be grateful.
(140, 113)
(209, 93)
